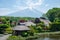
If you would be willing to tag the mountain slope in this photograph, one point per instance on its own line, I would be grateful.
(27, 13)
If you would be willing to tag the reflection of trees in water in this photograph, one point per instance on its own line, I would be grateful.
(49, 37)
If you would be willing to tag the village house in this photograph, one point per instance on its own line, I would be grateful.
(46, 21)
(18, 30)
(26, 23)
(30, 24)
(23, 26)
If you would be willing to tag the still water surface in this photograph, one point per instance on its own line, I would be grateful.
(49, 37)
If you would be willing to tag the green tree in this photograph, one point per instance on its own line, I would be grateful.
(3, 27)
(55, 26)
(52, 14)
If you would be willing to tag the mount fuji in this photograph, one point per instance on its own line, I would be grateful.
(27, 13)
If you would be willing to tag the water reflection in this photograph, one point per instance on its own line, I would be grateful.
(50, 37)
(43, 39)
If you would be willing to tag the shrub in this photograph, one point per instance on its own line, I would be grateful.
(39, 29)
(55, 26)
(3, 27)
(24, 34)
(8, 30)
(31, 34)
(15, 38)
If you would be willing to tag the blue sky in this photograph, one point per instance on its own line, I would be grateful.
(12, 6)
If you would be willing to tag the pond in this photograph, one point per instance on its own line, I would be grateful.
(49, 37)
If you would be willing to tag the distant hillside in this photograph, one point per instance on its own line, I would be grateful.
(27, 13)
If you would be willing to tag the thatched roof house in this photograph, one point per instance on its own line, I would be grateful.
(29, 23)
(21, 28)
(46, 21)
(18, 30)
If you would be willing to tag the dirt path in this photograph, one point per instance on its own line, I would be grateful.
(4, 37)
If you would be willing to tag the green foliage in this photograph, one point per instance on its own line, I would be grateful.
(24, 34)
(31, 33)
(8, 30)
(42, 24)
(15, 38)
(39, 29)
(35, 29)
(52, 14)
(55, 26)
(32, 30)
(57, 20)
(3, 20)
(3, 27)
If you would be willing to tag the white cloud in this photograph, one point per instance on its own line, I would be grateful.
(5, 11)
(30, 4)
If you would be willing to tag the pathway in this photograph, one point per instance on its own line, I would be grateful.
(4, 37)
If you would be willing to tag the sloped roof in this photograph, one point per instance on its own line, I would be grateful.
(46, 22)
(19, 27)
(29, 23)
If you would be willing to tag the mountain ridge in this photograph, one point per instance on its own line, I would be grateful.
(27, 13)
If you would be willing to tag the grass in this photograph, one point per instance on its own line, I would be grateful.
(15, 38)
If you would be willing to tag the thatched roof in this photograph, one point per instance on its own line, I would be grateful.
(21, 28)
(29, 23)
(46, 22)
